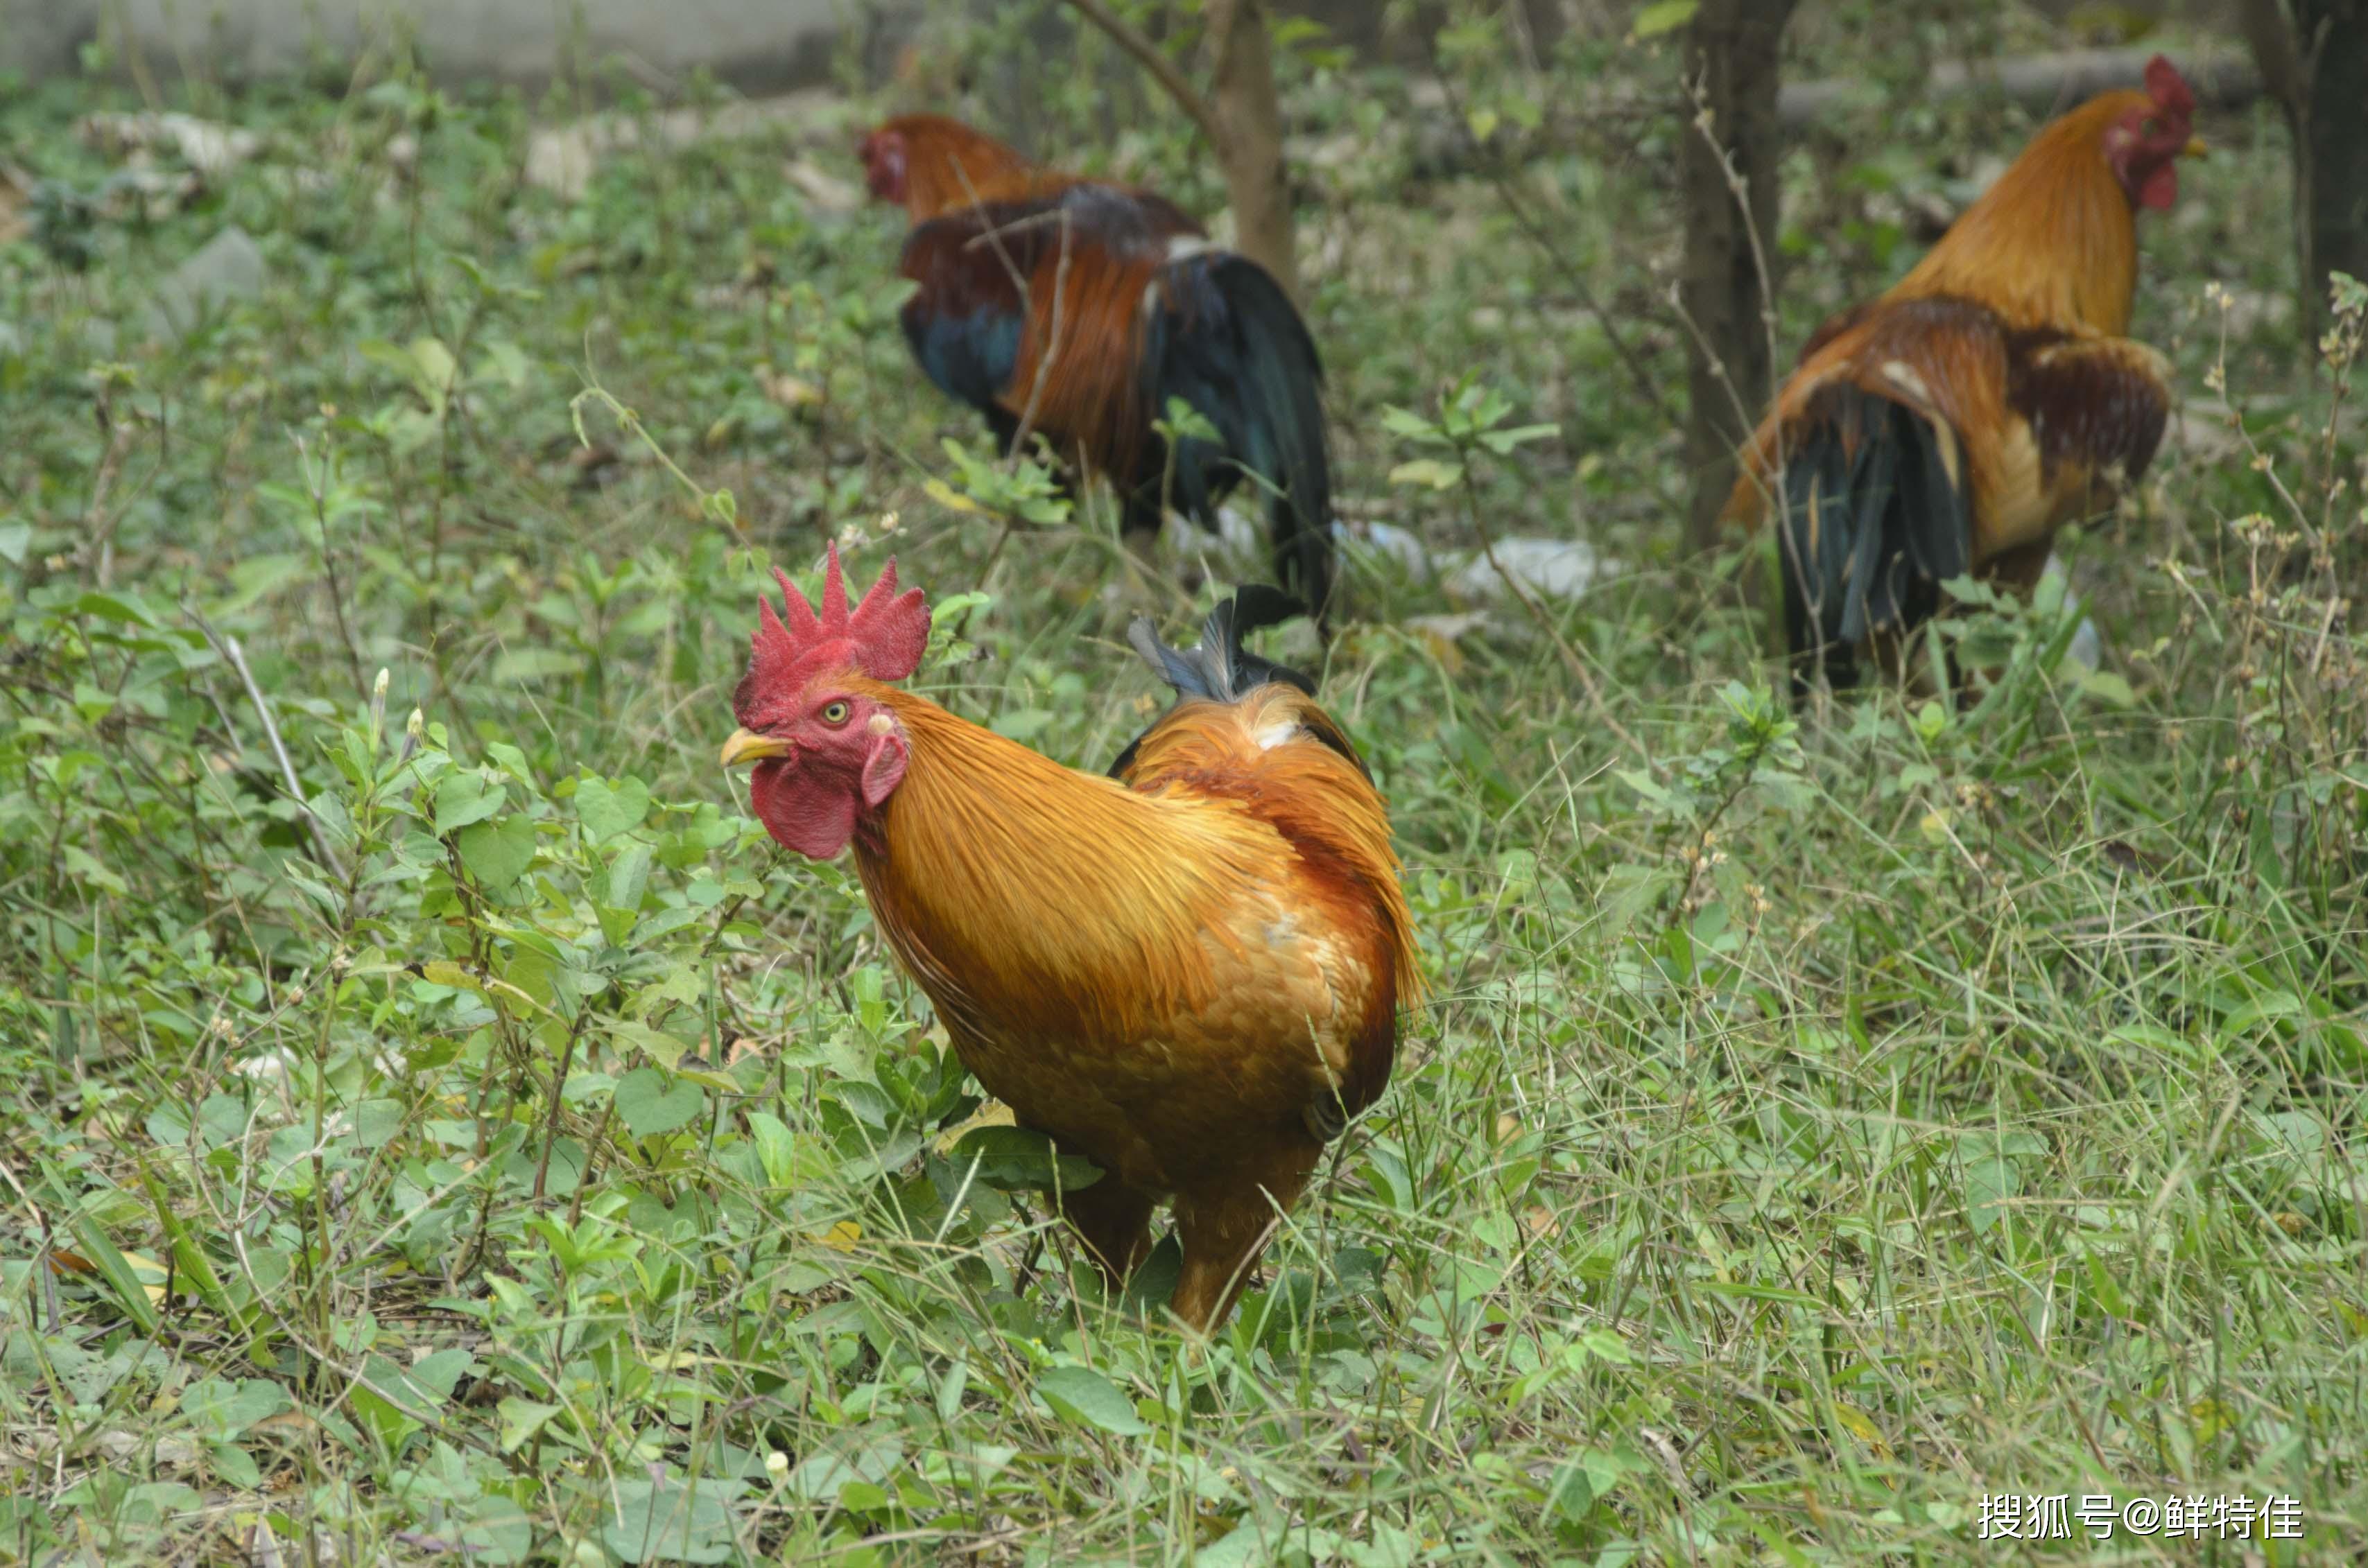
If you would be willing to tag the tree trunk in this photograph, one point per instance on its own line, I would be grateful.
(1249, 138)
(1731, 51)
(2331, 146)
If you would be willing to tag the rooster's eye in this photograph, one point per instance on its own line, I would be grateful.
(835, 714)
(2150, 129)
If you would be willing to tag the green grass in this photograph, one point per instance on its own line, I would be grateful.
(514, 1157)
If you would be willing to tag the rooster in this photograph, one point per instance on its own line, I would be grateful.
(1081, 310)
(1190, 974)
(1955, 423)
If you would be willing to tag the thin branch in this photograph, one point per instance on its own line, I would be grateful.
(1051, 346)
(1547, 624)
(234, 656)
(1494, 169)
(1154, 59)
(992, 235)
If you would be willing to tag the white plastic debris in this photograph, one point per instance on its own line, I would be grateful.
(206, 145)
(2088, 646)
(1557, 568)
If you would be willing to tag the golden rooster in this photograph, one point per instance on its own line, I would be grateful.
(1989, 398)
(1190, 974)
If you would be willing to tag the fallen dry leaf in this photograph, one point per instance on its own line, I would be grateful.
(990, 1113)
(16, 195)
(171, 1453)
(790, 391)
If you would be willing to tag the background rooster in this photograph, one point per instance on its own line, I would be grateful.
(1078, 309)
(1190, 974)
(1989, 398)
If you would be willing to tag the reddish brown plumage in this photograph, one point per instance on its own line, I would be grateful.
(1077, 310)
(2004, 348)
(1190, 976)
(930, 164)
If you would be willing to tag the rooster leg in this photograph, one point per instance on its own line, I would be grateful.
(1223, 1236)
(1114, 1222)
(1005, 425)
(2020, 567)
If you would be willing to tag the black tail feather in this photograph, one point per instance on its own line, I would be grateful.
(1219, 669)
(1233, 346)
(1875, 517)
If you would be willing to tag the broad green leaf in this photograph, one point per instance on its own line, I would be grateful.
(629, 876)
(1663, 16)
(444, 971)
(1437, 473)
(497, 852)
(608, 810)
(670, 1521)
(1503, 441)
(512, 761)
(1989, 1184)
(787, 1159)
(649, 1105)
(400, 1400)
(1083, 1395)
(434, 366)
(659, 1046)
(1016, 1159)
(128, 609)
(521, 1419)
(2107, 687)
(220, 1410)
(466, 795)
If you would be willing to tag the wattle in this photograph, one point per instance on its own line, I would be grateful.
(817, 823)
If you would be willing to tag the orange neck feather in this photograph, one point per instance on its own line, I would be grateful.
(1018, 890)
(950, 166)
(2054, 240)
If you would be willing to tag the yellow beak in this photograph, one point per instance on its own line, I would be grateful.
(746, 747)
(2196, 148)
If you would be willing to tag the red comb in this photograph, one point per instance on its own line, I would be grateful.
(885, 637)
(2168, 87)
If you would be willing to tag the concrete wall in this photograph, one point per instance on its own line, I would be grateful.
(758, 45)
